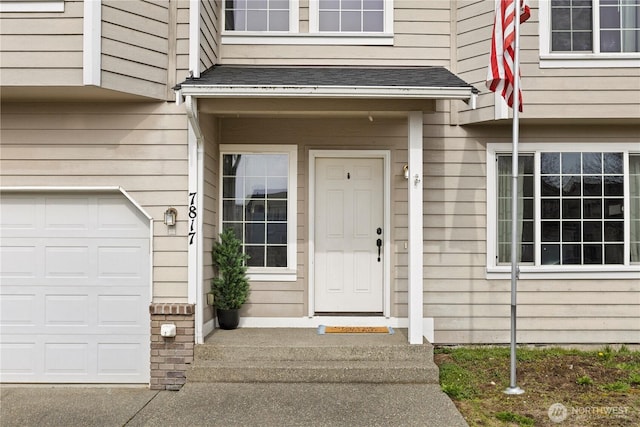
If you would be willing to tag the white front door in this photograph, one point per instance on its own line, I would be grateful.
(349, 216)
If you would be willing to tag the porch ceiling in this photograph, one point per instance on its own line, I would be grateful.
(344, 83)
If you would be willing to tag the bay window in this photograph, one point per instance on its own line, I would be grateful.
(576, 209)
(258, 204)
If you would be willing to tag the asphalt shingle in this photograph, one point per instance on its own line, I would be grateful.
(418, 77)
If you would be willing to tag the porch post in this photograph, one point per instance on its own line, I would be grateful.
(415, 285)
(195, 154)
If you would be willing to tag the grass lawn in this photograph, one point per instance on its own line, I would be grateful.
(588, 388)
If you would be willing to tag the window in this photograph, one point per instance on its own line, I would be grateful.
(258, 203)
(607, 31)
(257, 15)
(31, 5)
(351, 15)
(330, 22)
(575, 208)
(573, 23)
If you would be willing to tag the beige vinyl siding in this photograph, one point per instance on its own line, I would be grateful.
(422, 34)
(558, 93)
(290, 299)
(42, 47)
(474, 21)
(135, 46)
(467, 307)
(140, 147)
(209, 33)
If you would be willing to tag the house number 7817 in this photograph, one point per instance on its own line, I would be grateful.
(193, 214)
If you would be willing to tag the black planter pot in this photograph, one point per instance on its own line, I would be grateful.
(228, 319)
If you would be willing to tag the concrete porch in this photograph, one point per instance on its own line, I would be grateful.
(301, 355)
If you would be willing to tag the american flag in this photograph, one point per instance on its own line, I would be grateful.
(500, 73)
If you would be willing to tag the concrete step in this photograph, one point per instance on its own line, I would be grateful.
(287, 371)
(303, 356)
(423, 353)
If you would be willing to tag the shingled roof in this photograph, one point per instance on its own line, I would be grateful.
(224, 80)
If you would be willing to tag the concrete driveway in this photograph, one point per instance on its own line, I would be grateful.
(227, 404)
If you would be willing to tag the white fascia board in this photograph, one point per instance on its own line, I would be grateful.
(240, 91)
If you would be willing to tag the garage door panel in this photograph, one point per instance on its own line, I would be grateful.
(16, 260)
(19, 359)
(120, 311)
(18, 213)
(68, 358)
(75, 290)
(67, 261)
(101, 216)
(68, 213)
(17, 310)
(121, 260)
(112, 216)
(67, 310)
(117, 309)
(119, 359)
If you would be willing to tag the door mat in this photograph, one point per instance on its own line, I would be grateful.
(322, 329)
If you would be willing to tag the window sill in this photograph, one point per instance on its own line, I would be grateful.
(590, 60)
(566, 272)
(32, 6)
(260, 38)
(271, 275)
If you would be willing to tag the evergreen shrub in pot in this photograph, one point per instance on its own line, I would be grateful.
(231, 286)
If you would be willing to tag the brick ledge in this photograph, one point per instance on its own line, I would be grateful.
(172, 308)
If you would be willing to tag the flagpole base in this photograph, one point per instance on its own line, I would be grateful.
(514, 390)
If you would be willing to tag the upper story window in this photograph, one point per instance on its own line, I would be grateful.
(331, 22)
(598, 26)
(257, 15)
(604, 32)
(351, 15)
(576, 209)
(31, 5)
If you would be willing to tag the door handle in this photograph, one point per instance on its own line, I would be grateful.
(379, 244)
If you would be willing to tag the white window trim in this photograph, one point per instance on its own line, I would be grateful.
(339, 39)
(550, 59)
(494, 271)
(313, 37)
(270, 274)
(31, 5)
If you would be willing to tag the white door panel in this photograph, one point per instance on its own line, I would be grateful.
(75, 289)
(348, 276)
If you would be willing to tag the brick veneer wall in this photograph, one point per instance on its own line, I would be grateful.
(170, 357)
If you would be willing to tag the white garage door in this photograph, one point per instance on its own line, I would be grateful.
(74, 289)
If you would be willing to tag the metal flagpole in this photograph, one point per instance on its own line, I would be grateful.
(513, 388)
